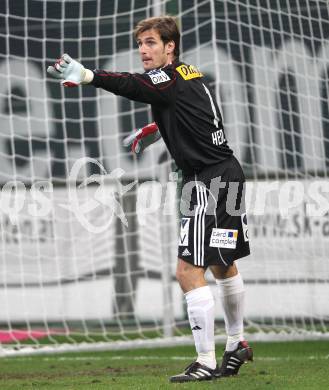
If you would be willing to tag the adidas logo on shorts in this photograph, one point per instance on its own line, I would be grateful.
(186, 252)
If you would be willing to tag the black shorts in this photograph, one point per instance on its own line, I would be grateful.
(214, 227)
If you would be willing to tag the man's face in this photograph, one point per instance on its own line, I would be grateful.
(154, 53)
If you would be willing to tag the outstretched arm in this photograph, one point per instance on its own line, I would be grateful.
(155, 87)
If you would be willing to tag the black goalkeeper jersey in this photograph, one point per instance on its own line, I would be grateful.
(183, 107)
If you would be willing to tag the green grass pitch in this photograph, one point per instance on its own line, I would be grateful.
(290, 365)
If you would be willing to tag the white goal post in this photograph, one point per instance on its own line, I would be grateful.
(89, 233)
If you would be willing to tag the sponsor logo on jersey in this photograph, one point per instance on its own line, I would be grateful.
(223, 238)
(218, 137)
(189, 72)
(184, 232)
(158, 76)
(245, 227)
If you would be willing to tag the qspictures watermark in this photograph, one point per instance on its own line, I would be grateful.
(155, 198)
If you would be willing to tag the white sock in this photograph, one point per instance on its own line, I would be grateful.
(200, 310)
(231, 291)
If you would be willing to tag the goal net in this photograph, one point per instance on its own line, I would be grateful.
(89, 232)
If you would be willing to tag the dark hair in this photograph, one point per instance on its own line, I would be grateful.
(167, 28)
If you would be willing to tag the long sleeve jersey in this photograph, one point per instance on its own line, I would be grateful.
(183, 107)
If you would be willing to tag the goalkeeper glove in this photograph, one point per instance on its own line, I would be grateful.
(142, 138)
(71, 71)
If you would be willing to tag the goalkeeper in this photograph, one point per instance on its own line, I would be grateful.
(188, 119)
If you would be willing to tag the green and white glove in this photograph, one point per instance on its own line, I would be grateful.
(70, 71)
(140, 139)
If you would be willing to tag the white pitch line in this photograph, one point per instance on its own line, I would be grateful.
(137, 358)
